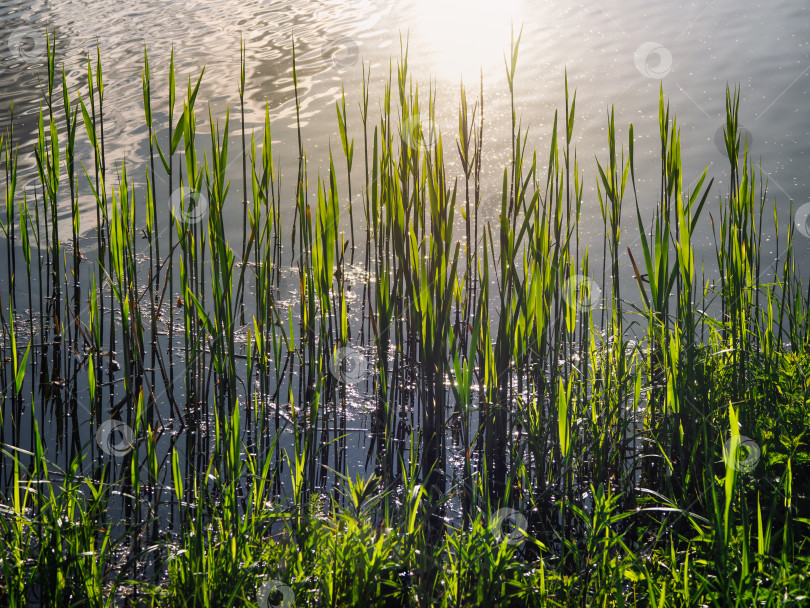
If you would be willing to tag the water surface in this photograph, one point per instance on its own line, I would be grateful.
(615, 54)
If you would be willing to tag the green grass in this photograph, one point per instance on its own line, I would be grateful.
(500, 386)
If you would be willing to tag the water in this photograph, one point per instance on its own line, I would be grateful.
(614, 53)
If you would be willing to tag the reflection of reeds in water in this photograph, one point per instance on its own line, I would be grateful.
(499, 381)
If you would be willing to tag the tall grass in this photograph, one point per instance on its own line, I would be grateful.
(214, 467)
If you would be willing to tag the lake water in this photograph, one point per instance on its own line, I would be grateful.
(615, 53)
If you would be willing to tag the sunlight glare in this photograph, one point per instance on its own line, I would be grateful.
(465, 36)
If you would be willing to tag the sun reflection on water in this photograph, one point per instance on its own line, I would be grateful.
(463, 37)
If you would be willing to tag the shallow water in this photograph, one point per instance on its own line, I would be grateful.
(614, 53)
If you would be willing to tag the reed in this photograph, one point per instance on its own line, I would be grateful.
(536, 436)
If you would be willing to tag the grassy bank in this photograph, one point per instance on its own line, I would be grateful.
(177, 411)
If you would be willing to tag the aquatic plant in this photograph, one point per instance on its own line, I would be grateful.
(532, 443)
